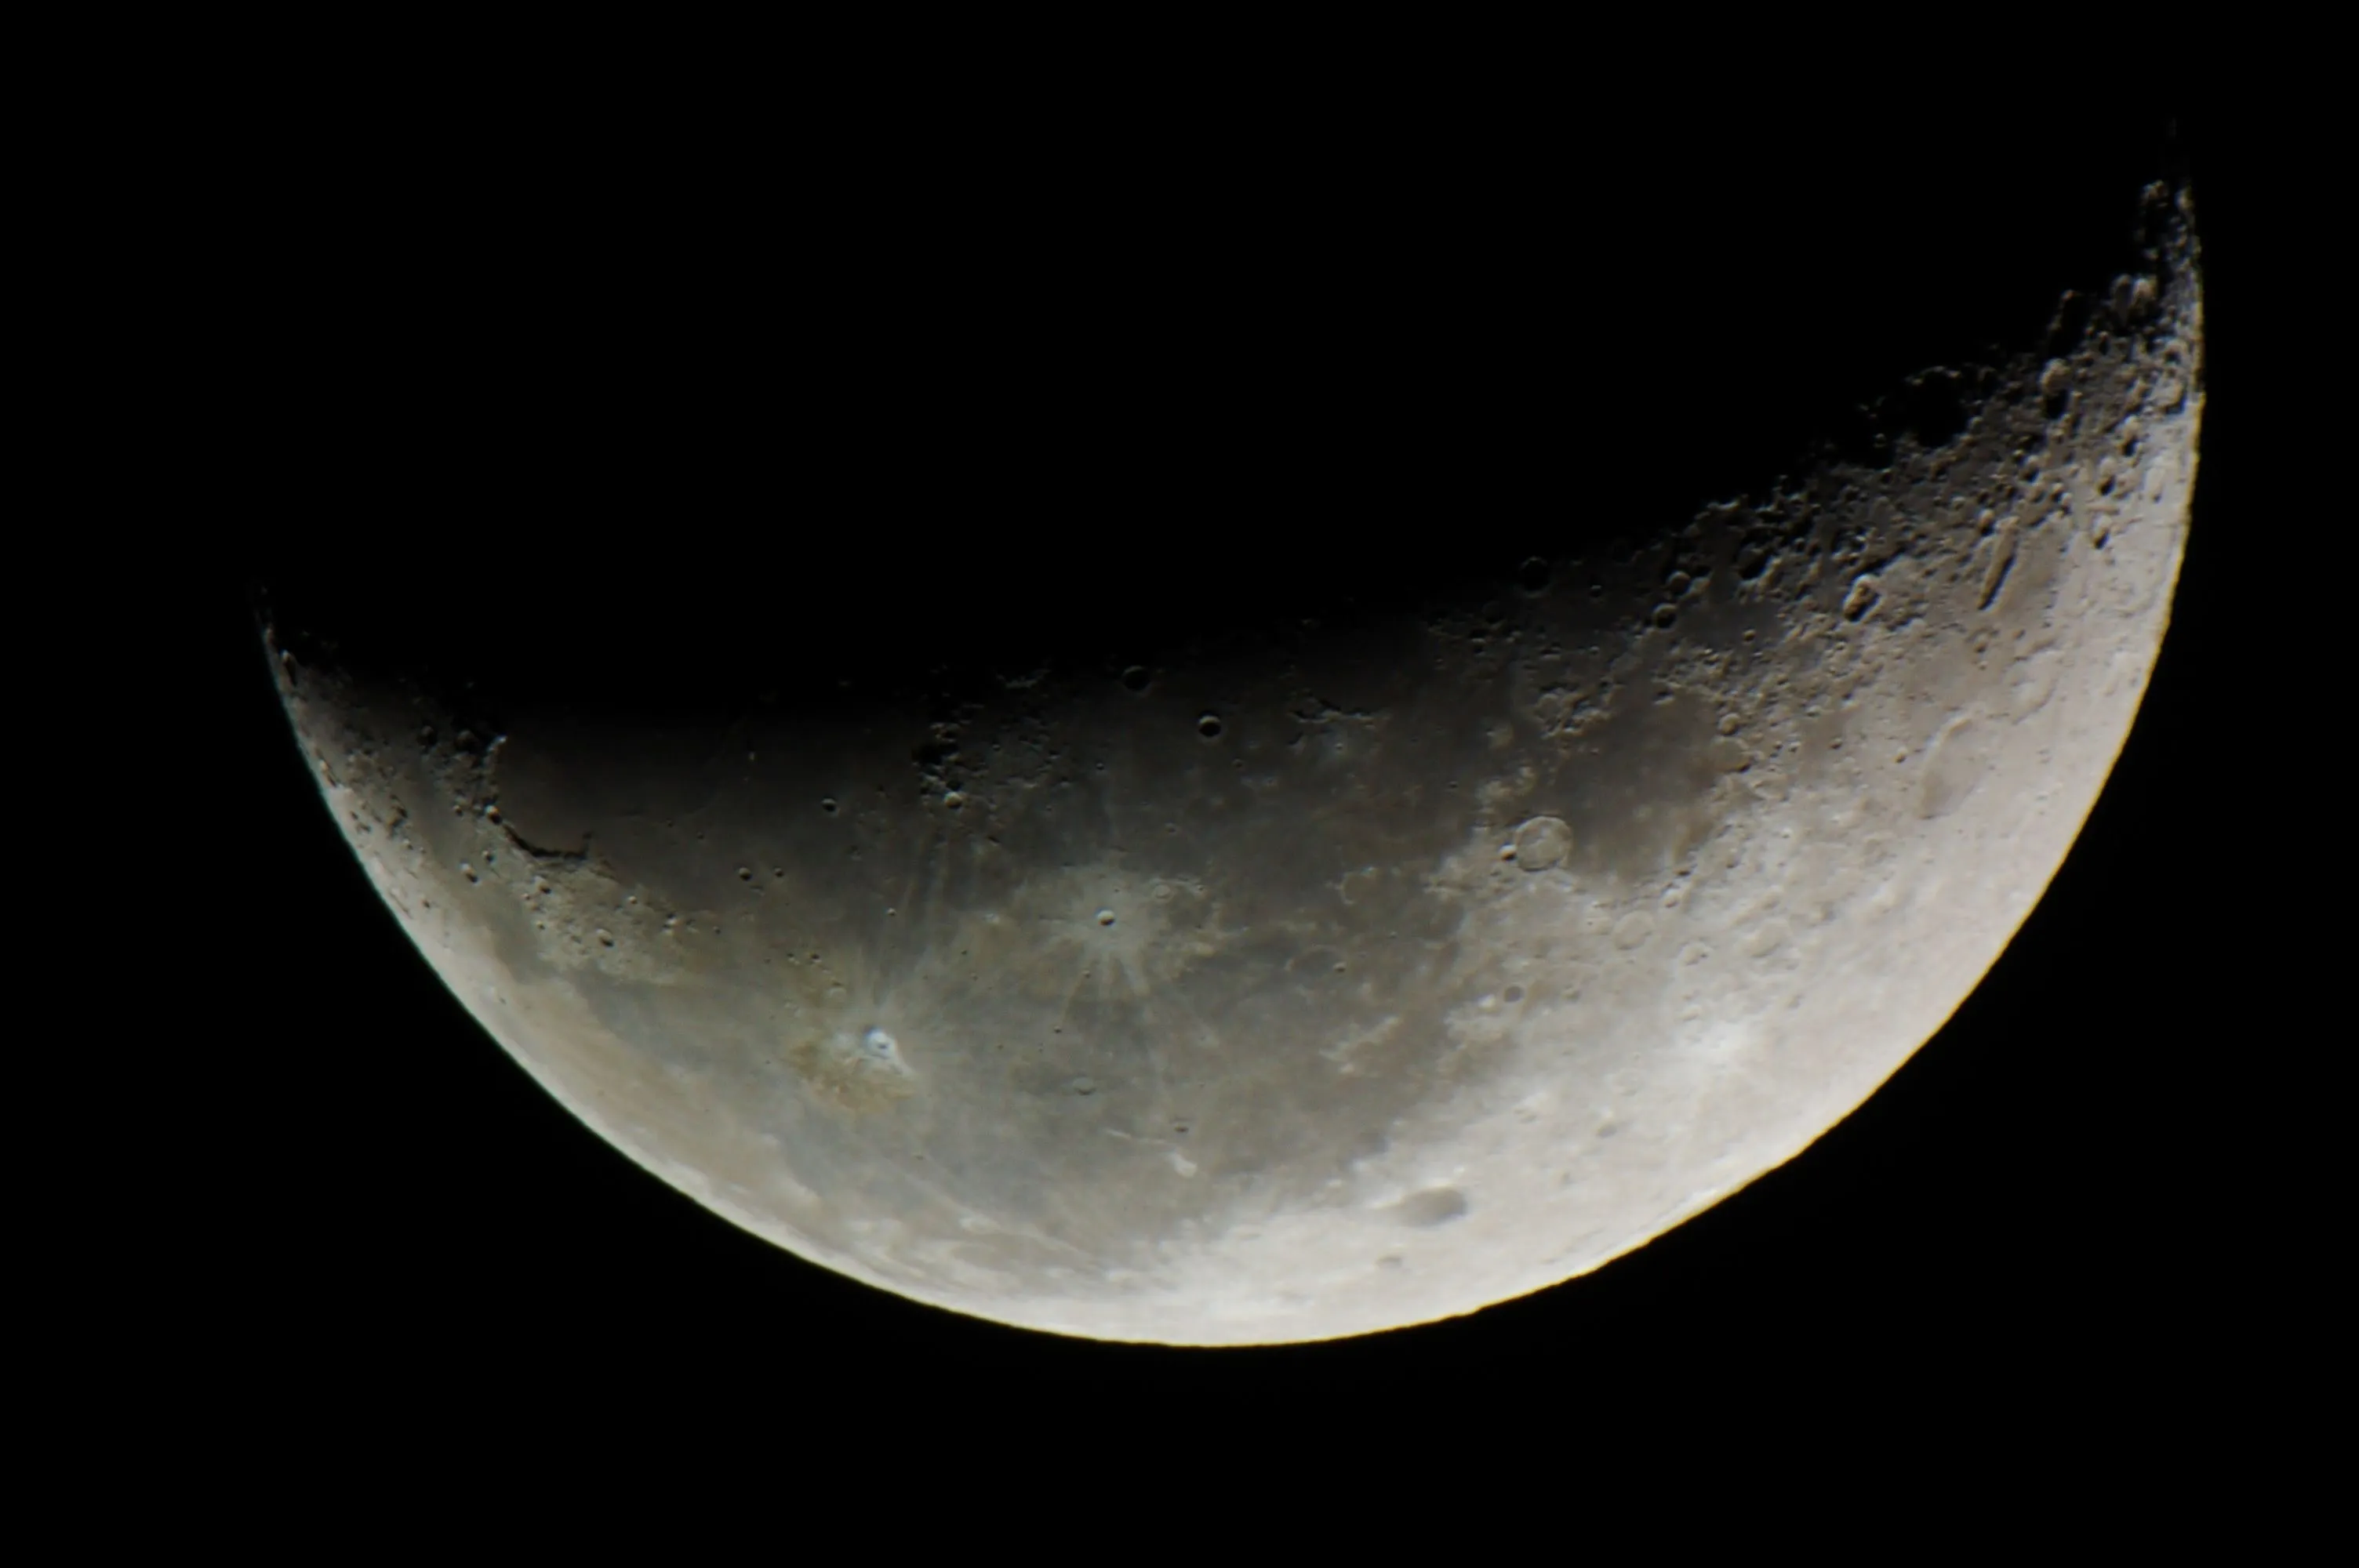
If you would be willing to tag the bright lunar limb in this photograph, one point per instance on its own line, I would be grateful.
(1254, 1002)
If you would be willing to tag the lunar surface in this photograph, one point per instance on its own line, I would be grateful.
(1232, 1000)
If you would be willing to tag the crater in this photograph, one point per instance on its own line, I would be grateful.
(1953, 767)
(1543, 842)
(863, 1073)
(1433, 1206)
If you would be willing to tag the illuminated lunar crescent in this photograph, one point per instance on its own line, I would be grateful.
(1208, 1005)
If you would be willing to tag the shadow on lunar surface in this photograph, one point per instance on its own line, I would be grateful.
(1132, 476)
(968, 862)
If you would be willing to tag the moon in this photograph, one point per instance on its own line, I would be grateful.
(1360, 975)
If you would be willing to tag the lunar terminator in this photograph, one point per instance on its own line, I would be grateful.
(1206, 1002)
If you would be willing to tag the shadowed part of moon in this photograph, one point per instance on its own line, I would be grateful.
(1349, 980)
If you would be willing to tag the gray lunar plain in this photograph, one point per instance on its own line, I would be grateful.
(1237, 1003)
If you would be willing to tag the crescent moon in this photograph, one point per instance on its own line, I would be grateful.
(1368, 982)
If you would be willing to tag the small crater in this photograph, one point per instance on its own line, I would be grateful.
(827, 804)
(1665, 617)
(1953, 765)
(863, 1074)
(1135, 678)
(2001, 564)
(1532, 576)
(1630, 932)
(1208, 726)
(2055, 388)
(1435, 1206)
(1543, 842)
(1105, 917)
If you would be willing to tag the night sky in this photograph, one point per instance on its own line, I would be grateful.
(1057, 405)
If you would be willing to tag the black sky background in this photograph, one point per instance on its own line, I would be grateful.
(1098, 408)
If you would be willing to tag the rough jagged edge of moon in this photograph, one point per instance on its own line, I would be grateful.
(1945, 540)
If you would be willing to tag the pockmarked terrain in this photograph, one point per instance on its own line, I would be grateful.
(1364, 981)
